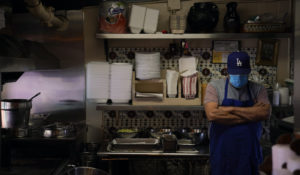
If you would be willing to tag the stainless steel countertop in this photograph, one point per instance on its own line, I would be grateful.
(152, 153)
(202, 152)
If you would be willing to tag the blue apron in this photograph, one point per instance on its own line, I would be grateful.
(235, 149)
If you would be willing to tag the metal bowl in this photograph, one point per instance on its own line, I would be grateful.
(127, 133)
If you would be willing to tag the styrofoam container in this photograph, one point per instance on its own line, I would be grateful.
(151, 20)
(137, 18)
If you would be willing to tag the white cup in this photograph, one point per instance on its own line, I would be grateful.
(284, 95)
(172, 80)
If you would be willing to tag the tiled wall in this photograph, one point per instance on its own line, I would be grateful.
(268, 77)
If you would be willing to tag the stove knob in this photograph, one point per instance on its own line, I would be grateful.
(168, 114)
(186, 114)
(131, 114)
(112, 114)
(150, 114)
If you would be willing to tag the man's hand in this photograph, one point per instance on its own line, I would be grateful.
(226, 108)
(221, 114)
(258, 112)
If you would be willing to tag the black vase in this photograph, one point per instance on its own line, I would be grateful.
(202, 17)
(232, 19)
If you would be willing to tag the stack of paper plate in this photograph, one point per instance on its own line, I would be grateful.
(97, 85)
(147, 65)
(120, 82)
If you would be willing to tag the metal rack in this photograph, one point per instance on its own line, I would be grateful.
(194, 36)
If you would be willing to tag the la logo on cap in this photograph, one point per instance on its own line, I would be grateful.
(238, 62)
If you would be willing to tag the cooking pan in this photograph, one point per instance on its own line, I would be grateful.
(15, 112)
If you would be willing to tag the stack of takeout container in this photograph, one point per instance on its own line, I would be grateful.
(120, 82)
(97, 77)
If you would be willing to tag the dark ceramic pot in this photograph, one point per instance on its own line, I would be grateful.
(232, 19)
(202, 17)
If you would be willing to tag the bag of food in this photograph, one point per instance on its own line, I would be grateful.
(112, 17)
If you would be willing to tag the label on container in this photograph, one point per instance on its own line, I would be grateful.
(112, 17)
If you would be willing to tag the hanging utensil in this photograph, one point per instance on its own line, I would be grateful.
(34, 96)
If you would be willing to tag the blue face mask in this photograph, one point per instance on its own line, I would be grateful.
(238, 81)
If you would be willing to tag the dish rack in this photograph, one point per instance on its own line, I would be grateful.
(160, 85)
(264, 27)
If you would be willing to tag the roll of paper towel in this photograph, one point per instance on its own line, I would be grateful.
(293, 164)
(284, 95)
(281, 153)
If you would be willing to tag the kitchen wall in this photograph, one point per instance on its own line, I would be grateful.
(94, 48)
(297, 65)
(62, 90)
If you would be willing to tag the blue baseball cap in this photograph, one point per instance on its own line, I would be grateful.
(238, 63)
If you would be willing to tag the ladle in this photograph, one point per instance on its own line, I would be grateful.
(34, 96)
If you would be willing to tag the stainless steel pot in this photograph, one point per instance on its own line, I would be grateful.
(15, 113)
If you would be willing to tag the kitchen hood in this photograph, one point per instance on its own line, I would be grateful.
(25, 55)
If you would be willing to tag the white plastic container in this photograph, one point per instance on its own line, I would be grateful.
(284, 95)
(151, 20)
(276, 98)
(137, 18)
(172, 80)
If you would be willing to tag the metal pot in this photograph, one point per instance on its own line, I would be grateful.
(48, 132)
(37, 120)
(15, 113)
(86, 171)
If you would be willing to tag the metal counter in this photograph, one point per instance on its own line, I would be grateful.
(201, 153)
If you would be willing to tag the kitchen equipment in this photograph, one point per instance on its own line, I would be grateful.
(15, 113)
(284, 95)
(189, 86)
(97, 77)
(202, 17)
(21, 132)
(276, 98)
(151, 20)
(37, 120)
(134, 144)
(39, 93)
(201, 136)
(182, 133)
(172, 81)
(112, 17)
(86, 171)
(186, 145)
(187, 64)
(147, 65)
(231, 20)
(120, 82)
(137, 18)
(48, 132)
(65, 131)
(177, 24)
(169, 143)
(88, 159)
(127, 133)
(92, 147)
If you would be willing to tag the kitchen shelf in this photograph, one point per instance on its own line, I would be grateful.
(146, 107)
(194, 36)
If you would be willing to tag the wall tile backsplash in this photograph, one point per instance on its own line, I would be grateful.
(264, 74)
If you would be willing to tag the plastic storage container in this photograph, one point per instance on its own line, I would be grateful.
(112, 17)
